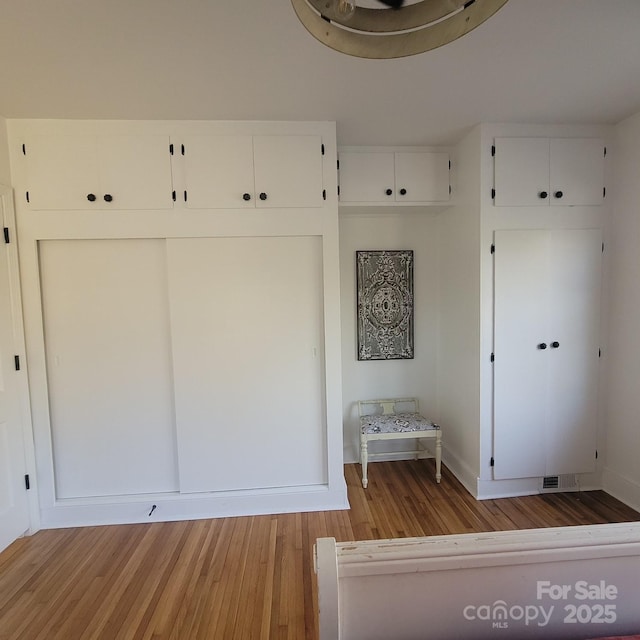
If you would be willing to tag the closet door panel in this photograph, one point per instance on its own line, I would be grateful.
(108, 366)
(247, 353)
(574, 363)
(520, 367)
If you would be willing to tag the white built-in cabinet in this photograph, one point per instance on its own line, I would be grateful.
(546, 325)
(185, 355)
(376, 177)
(549, 172)
(248, 172)
(98, 172)
(184, 365)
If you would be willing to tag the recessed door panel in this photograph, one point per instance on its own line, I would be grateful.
(247, 353)
(108, 366)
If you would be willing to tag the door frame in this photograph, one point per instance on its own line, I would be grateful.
(7, 212)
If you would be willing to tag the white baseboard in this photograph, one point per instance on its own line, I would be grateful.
(624, 489)
(461, 471)
(174, 506)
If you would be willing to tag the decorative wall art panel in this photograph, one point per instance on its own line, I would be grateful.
(385, 304)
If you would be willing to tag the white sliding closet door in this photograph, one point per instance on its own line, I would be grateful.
(109, 366)
(247, 332)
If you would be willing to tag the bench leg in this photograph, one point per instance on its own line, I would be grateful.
(364, 458)
(438, 457)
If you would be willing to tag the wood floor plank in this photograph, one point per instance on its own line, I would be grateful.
(245, 577)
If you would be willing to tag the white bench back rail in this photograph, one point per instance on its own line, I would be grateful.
(564, 583)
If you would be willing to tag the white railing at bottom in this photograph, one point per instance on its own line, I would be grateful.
(566, 583)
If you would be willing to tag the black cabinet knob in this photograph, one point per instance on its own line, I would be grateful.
(246, 196)
(542, 345)
(108, 197)
(263, 196)
(389, 192)
(555, 344)
(543, 195)
(91, 197)
(558, 194)
(403, 192)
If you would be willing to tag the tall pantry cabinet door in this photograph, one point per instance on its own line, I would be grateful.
(109, 373)
(288, 171)
(218, 172)
(547, 309)
(522, 301)
(574, 350)
(248, 362)
(521, 172)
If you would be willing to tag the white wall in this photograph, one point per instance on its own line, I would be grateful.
(459, 315)
(621, 475)
(376, 229)
(5, 173)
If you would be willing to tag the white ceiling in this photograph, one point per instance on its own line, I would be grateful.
(539, 61)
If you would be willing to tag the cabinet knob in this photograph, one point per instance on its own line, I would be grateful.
(558, 194)
(543, 195)
(91, 197)
(403, 192)
(108, 197)
(542, 346)
(263, 196)
(246, 196)
(389, 192)
(555, 344)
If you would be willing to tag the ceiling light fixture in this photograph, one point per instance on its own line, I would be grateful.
(404, 29)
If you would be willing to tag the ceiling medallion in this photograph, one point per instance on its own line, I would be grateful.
(392, 32)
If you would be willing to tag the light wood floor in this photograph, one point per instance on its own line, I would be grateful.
(248, 577)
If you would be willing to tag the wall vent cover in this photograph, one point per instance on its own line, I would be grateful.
(566, 482)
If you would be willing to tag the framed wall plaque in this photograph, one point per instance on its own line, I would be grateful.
(384, 284)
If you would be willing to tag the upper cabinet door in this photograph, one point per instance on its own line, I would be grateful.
(394, 177)
(288, 171)
(367, 177)
(135, 172)
(521, 172)
(71, 172)
(422, 177)
(219, 172)
(549, 172)
(577, 171)
(62, 172)
(244, 171)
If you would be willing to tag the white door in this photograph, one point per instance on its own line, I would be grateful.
(520, 369)
(576, 171)
(135, 172)
(108, 366)
(14, 509)
(248, 362)
(574, 350)
(367, 176)
(63, 172)
(547, 301)
(288, 171)
(218, 172)
(521, 168)
(423, 176)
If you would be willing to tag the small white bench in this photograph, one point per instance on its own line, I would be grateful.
(395, 419)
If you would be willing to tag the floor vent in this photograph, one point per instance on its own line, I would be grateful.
(567, 482)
